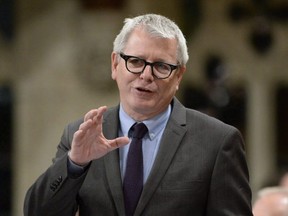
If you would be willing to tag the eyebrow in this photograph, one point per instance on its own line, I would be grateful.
(145, 59)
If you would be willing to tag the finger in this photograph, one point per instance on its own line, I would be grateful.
(95, 112)
(100, 112)
(85, 125)
(118, 142)
(78, 135)
(90, 114)
(98, 119)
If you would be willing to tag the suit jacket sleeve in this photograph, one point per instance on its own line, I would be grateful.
(54, 192)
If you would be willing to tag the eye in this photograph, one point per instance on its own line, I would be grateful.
(136, 62)
(162, 67)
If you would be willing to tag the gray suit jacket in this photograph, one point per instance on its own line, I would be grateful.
(200, 170)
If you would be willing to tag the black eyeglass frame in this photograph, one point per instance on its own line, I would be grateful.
(151, 64)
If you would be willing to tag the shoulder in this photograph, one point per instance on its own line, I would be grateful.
(111, 112)
(210, 132)
(197, 121)
(73, 126)
(202, 119)
(210, 125)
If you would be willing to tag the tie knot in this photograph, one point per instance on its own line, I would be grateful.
(138, 130)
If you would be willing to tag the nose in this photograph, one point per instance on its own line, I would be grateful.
(147, 73)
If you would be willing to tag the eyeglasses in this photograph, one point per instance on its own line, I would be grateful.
(136, 65)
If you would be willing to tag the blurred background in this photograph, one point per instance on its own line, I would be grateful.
(55, 66)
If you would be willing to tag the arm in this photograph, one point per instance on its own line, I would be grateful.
(55, 191)
(230, 192)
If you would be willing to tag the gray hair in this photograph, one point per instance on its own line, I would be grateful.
(155, 25)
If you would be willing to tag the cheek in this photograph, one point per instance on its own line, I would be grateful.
(123, 80)
(168, 91)
(173, 86)
(117, 73)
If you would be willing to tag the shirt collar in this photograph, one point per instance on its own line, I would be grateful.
(155, 125)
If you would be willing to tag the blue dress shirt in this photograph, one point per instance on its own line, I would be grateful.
(150, 142)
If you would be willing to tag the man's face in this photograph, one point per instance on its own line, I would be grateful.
(143, 95)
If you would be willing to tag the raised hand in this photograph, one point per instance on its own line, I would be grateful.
(89, 142)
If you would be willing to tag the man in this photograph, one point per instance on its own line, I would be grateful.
(271, 201)
(192, 164)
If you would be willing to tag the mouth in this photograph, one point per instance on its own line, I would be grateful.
(144, 90)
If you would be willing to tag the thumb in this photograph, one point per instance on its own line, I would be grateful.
(118, 142)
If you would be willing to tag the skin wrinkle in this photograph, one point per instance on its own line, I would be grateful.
(138, 105)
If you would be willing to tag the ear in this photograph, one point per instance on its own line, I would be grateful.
(179, 75)
(114, 64)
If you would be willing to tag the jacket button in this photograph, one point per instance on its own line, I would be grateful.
(59, 179)
(53, 188)
(55, 184)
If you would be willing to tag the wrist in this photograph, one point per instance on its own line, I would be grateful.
(84, 164)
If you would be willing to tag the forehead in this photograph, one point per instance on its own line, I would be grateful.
(143, 44)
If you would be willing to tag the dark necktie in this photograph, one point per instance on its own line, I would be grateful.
(133, 180)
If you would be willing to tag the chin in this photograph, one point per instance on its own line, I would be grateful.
(143, 107)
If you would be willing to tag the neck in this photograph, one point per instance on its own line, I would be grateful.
(140, 115)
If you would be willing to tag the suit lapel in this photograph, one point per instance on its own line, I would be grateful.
(111, 160)
(171, 139)
(170, 142)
